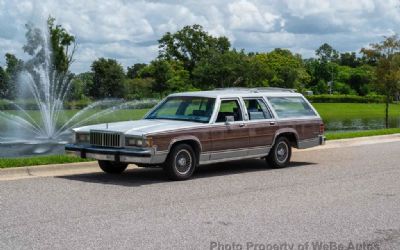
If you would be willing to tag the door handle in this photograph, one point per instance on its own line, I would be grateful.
(271, 123)
(242, 125)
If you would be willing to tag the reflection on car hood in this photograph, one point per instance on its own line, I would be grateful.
(140, 127)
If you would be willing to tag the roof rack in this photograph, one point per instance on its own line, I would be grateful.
(261, 89)
(272, 89)
(234, 88)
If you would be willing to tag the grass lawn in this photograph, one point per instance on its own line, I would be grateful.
(362, 133)
(39, 160)
(340, 111)
(118, 115)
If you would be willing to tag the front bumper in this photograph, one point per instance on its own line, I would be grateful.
(145, 156)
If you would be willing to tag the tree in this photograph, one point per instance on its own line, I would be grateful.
(189, 45)
(388, 68)
(138, 88)
(369, 56)
(133, 72)
(108, 79)
(219, 70)
(3, 83)
(288, 69)
(80, 86)
(168, 75)
(63, 46)
(349, 59)
(326, 53)
(14, 65)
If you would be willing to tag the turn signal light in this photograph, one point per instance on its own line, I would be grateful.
(321, 129)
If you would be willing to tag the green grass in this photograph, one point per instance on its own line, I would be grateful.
(115, 116)
(341, 111)
(39, 160)
(354, 134)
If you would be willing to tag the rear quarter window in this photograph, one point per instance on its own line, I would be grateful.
(291, 107)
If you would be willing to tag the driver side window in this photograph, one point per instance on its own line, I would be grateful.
(229, 108)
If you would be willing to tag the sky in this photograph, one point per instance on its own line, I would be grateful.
(128, 30)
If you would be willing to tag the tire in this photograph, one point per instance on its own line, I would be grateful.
(181, 162)
(112, 167)
(279, 156)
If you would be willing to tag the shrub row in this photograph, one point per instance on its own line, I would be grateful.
(346, 99)
(80, 104)
(31, 104)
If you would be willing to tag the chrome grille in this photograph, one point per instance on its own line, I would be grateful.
(105, 139)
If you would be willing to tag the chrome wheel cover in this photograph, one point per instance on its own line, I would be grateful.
(282, 152)
(183, 161)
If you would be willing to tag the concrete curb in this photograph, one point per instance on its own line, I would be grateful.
(358, 141)
(92, 167)
(48, 170)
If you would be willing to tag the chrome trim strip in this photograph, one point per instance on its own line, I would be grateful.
(234, 154)
(239, 149)
(233, 159)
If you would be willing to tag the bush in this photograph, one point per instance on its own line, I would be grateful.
(346, 99)
(26, 104)
(79, 104)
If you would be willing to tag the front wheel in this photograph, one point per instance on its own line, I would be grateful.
(279, 156)
(112, 167)
(180, 163)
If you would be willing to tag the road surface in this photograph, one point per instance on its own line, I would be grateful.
(348, 195)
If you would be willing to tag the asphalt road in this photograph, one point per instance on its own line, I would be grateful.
(348, 195)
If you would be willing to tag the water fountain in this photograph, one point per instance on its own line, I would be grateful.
(20, 133)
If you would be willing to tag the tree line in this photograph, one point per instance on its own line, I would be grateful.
(192, 59)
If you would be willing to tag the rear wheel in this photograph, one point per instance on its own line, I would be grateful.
(180, 163)
(279, 156)
(112, 167)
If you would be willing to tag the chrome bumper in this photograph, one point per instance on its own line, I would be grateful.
(313, 142)
(145, 156)
(322, 139)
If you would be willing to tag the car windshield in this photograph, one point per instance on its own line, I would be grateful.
(196, 109)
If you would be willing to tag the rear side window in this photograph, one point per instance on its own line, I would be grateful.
(289, 107)
(257, 109)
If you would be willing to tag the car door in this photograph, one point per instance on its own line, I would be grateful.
(261, 125)
(229, 134)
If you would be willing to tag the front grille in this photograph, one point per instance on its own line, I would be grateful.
(105, 139)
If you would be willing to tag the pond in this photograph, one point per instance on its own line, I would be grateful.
(355, 124)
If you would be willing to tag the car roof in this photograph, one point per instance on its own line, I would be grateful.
(242, 92)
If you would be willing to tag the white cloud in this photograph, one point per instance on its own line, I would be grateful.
(245, 15)
(128, 30)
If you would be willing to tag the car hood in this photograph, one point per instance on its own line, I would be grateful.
(140, 127)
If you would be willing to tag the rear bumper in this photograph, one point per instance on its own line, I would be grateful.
(309, 143)
(322, 139)
(145, 156)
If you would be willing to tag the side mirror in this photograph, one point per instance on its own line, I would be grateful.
(229, 119)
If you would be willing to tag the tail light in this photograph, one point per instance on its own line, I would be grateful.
(321, 129)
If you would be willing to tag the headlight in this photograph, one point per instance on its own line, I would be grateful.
(138, 142)
(82, 138)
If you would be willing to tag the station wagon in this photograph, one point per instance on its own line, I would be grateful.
(189, 129)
